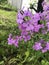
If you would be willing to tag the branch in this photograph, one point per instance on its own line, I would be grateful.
(31, 7)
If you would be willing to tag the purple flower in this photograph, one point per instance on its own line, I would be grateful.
(44, 3)
(37, 28)
(36, 17)
(24, 33)
(44, 31)
(20, 17)
(47, 24)
(44, 50)
(23, 15)
(28, 13)
(30, 28)
(45, 16)
(41, 41)
(46, 7)
(41, 45)
(12, 41)
(47, 45)
(37, 46)
(20, 21)
(26, 38)
(16, 43)
(20, 38)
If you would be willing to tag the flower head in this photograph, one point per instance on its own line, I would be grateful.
(41, 45)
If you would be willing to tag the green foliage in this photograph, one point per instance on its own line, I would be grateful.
(44, 62)
(3, 1)
(4, 5)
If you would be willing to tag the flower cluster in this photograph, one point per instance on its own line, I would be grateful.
(41, 45)
(30, 24)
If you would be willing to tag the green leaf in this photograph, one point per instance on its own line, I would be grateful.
(31, 58)
(13, 60)
(27, 54)
(1, 62)
(47, 63)
(43, 62)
